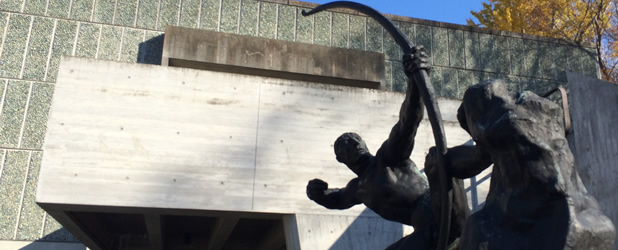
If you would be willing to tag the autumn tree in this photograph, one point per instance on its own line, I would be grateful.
(580, 21)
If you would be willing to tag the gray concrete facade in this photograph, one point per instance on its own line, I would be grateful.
(594, 115)
(171, 142)
(34, 34)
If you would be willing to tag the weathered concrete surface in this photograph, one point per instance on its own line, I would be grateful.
(34, 245)
(593, 105)
(240, 143)
(344, 232)
(203, 49)
(170, 139)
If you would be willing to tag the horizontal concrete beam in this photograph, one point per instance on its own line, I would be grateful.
(216, 51)
(39, 245)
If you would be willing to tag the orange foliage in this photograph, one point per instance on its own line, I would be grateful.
(580, 21)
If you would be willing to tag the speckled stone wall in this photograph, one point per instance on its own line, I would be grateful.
(34, 34)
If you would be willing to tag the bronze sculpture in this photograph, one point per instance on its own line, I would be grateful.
(423, 82)
(389, 183)
(536, 198)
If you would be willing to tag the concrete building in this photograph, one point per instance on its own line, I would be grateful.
(35, 34)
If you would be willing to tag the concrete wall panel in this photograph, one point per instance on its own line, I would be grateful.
(346, 232)
(172, 132)
(594, 115)
(151, 136)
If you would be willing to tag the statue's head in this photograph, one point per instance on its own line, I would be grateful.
(497, 118)
(483, 105)
(349, 148)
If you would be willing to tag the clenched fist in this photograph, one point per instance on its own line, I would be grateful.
(316, 188)
(416, 61)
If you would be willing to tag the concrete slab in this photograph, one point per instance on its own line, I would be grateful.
(204, 49)
(154, 140)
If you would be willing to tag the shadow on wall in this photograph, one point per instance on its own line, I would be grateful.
(60, 239)
(151, 51)
(368, 232)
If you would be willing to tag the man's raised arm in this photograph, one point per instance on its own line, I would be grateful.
(333, 198)
(398, 147)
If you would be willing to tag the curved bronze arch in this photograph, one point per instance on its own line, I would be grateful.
(433, 111)
(399, 37)
(565, 107)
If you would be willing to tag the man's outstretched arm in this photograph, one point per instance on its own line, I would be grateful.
(398, 147)
(466, 161)
(333, 198)
(462, 161)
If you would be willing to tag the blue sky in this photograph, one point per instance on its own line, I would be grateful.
(450, 11)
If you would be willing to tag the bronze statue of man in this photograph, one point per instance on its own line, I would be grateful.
(536, 199)
(389, 183)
